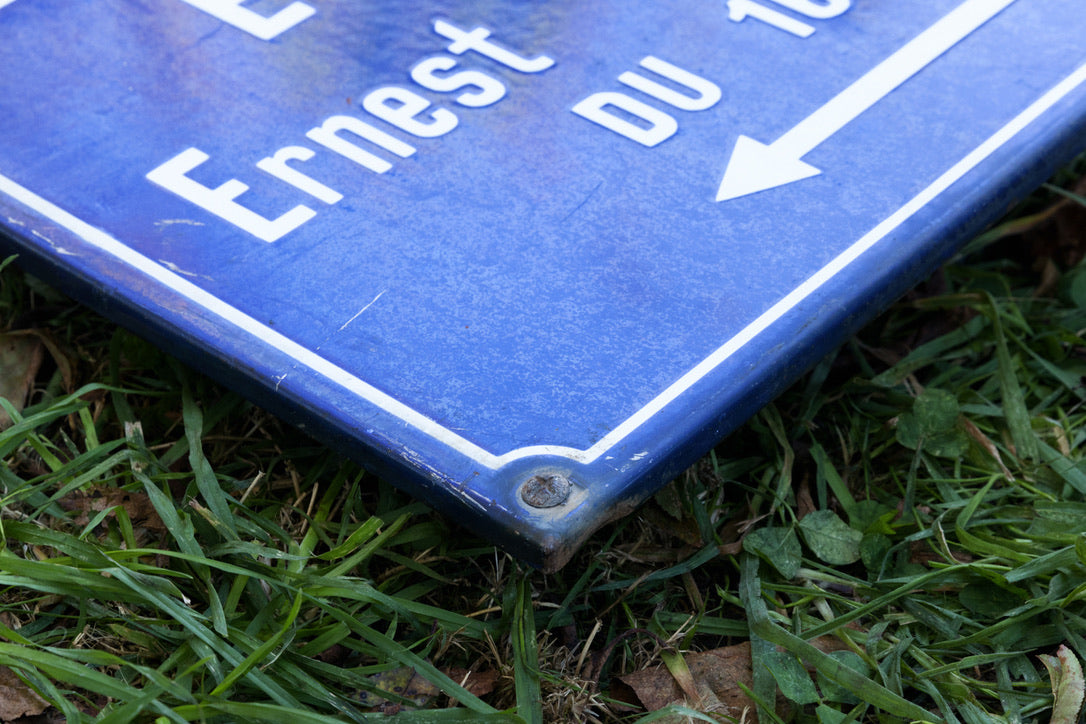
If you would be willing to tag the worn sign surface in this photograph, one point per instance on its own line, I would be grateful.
(528, 259)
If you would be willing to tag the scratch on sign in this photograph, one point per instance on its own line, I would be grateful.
(50, 242)
(178, 270)
(362, 310)
(169, 222)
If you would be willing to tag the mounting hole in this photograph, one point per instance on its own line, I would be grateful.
(546, 491)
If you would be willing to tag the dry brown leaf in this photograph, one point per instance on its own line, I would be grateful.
(685, 529)
(804, 501)
(731, 549)
(62, 362)
(17, 699)
(405, 682)
(479, 683)
(21, 355)
(98, 498)
(1060, 231)
(716, 674)
(985, 442)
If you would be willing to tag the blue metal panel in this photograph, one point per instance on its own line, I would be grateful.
(529, 259)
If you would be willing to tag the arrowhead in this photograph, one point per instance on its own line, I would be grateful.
(756, 167)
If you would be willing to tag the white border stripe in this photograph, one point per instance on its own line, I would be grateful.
(104, 242)
(849, 255)
(303, 356)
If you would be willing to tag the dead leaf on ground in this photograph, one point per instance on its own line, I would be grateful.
(1059, 232)
(97, 498)
(985, 442)
(804, 500)
(18, 700)
(716, 674)
(684, 528)
(479, 683)
(407, 683)
(21, 356)
(922, 553)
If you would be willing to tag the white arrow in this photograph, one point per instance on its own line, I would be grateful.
(756, 166)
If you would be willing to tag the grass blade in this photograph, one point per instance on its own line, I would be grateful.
(525, 652)
(863, 687)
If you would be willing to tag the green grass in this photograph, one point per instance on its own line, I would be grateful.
(901, 535)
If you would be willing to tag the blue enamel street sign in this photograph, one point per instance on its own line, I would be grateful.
(528, 259)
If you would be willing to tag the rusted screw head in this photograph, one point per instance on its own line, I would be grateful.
(546, 491)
